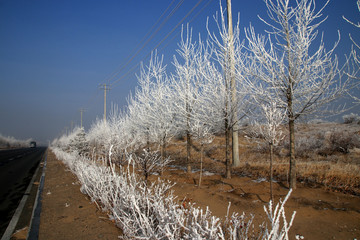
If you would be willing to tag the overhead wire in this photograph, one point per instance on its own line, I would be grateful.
(177, 25)
(153, 34)
(130, 57)
(137, 50)
(191, 20)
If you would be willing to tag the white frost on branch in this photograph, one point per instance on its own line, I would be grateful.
(151, 211)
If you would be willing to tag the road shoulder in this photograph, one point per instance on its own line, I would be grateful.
(66, 212)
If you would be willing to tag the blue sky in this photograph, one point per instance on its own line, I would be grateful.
(55, 54)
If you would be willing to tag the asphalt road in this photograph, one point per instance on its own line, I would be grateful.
(17, 167)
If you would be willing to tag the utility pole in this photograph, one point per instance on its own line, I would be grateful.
(81, 116)
(106, 88)
(233, 106)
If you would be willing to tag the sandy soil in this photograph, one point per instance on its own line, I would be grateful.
(321, 214)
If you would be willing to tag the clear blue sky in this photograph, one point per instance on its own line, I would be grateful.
(54, 54)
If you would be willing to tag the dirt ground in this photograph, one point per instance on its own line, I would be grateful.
(66, 212)
(320, 214)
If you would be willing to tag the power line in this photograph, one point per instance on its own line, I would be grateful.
(153, 34)
(122, 66)
(106, 87)
(177, 25)
(136, 51)
(192, 19)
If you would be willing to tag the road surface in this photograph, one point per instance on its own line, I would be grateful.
(17, 167)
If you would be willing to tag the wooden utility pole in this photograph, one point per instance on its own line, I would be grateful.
(106, 88)
(233, 105)
(81, 116)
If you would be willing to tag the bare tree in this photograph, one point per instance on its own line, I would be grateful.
(354, 59)
(228, 69)
(304, 78)
(151, 109)
(185, 74)
(354, 24)
(203, 134)
(270, 131)
(149, 162)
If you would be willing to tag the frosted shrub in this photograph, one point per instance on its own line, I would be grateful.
(79, 142)
(351, 118)
(237, 226)
(150, 211)
(305, 146)
(279, 226)
(148, 162)
(11, 142)
(343, 141)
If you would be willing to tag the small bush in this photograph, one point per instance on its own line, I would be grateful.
(145, 211)
(149, 162)
(351, 118)
(343, 141)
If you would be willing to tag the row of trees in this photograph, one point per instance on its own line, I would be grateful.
(11, 142)
(219, 82)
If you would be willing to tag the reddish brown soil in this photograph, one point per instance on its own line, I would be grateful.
(321, 214)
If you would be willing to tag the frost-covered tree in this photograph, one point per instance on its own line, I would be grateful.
(357, 25)
(354, 59)
(162, 116)
(151, 109)
(303, 76)
(149, 162)
(270, 131)
(202, 132)
(225, 72)
(184, 84)
(78, 142)
(11, 142)
(99, 136)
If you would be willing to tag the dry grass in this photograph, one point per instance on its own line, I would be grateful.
(323, 163)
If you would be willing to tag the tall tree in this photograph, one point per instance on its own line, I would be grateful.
(151, 109)
(185, 75)
(354, 59)
(227, 51)
(303, 76)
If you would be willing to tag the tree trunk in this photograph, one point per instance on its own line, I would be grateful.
(201, 162)
(235, 147)
(162, 152)
(289, 96)
(188, 152)
(271, 171)
(147, 140)
(292, 170)
(227, 152)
